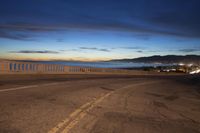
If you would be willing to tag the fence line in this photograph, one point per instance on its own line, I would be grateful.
(17, 67)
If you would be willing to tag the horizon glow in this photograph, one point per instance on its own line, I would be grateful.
(98, 30)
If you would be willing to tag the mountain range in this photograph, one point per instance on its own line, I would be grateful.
(164, 59)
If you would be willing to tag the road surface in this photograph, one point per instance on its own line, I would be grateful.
(99, 104)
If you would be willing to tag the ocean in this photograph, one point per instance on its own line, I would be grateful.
(104, 64)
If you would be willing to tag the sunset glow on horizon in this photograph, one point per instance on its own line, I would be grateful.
(98, 30)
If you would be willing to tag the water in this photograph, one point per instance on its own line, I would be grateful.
(104, 64)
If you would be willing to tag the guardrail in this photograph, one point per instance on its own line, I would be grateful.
(17, 67)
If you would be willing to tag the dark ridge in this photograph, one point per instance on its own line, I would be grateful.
(165, 59)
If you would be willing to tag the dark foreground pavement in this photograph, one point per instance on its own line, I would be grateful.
(99, 104)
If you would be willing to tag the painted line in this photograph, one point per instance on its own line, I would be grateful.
(78, 114)
(75, 117)
(19, 88)
(82, 114)
(71, 116)
(30, 86)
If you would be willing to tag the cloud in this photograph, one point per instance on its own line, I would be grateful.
(15, 36)
(95, 49)
(59, 40)
(35, 52)
(19, 30)
(140, 51)
(169, 18)
(135, 48)
(190, 50)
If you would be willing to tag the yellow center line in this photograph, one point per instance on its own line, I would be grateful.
(76, 116)
(80, 112)
(71, 116)
(83, 114)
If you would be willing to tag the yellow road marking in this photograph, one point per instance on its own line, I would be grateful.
(73, 114)
(81, 112)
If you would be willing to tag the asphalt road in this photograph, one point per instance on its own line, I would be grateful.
(99, 104)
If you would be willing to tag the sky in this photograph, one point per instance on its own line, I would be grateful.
(94, 30)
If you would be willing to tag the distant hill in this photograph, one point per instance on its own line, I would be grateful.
(165, 59)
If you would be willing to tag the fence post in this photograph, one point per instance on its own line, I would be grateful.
(6, 67)
(1, 67)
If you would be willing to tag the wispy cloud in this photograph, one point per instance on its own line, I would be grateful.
(190, 50)
(94, 48)
(35, 52)
(14, 36)
(24, 28)
(140, 51)
(59, 40)
(64, 15)
(135, 48)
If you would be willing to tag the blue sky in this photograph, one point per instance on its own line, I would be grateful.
(94, 30)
